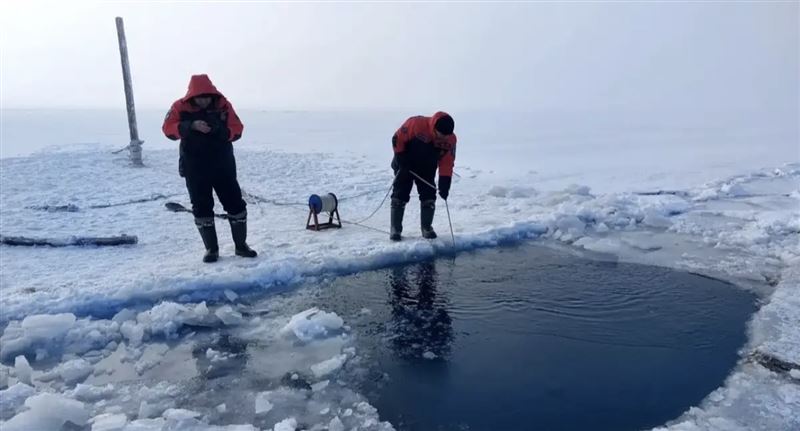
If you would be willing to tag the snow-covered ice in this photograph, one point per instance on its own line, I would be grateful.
(328, 366)
(288, 424)
(48, 411)
(313, 323)
(74, 370)
(82, 324)
(228, 315)
(262, 403)
(109, 422)
(11, 399)
(23, 369)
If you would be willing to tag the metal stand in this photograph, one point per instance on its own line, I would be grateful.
(320, 226)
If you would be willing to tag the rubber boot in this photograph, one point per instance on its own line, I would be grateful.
(398, 208)
(426, 211)
(208, 232)
(239, 234)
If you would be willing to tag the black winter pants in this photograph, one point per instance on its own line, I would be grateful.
(203, 178)
(405, 181)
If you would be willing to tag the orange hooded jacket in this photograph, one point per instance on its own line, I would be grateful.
(421, 128)
(200, 85)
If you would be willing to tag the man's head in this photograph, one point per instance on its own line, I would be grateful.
(202, 101)
(444, 126)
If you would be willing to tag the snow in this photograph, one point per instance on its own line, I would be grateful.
(720, 204)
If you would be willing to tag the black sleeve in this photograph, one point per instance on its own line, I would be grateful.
(185, 128)
(219, 128)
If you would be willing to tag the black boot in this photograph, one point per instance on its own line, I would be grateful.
(398, 208)
(239, 233)
(426, 210)
(209, 234)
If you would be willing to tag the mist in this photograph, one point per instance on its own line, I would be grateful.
(666, 57)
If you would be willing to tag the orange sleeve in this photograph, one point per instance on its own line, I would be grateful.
(234, 124)
(448, 160)
(402, 136)
(171, 126)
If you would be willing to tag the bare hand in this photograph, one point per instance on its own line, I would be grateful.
(201, 126)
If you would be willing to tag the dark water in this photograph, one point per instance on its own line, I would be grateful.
(526, 338)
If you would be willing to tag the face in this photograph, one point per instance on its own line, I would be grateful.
(202, 101)
(439, 135)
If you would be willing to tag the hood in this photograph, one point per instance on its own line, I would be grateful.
(436, 118)
(198, 85)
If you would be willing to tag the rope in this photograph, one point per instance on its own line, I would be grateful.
(369, 192)
(121, 149)
(423, 180)
(389, 191)
(367, 227)
(359, 223)
(154, 197)
(275, 202)
(256, 198)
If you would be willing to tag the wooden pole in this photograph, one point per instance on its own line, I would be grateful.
(136, 144)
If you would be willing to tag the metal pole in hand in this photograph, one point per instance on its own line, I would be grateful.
(449, 220)
(135, 145)
(452, 235)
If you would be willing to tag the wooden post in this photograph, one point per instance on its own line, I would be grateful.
(135, 146)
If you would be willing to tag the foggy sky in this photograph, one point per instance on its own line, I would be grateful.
(666, 55)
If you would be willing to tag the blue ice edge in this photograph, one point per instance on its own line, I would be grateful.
(286, 272)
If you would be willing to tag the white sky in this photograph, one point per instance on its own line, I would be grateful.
(589, 55)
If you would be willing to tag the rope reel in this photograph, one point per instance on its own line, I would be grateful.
(326, 203)
(319, 204)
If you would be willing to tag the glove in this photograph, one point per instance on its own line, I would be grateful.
(444, 187)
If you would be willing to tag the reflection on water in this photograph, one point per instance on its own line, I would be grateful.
(421, 325)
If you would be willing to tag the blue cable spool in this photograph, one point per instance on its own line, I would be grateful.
(327, 203)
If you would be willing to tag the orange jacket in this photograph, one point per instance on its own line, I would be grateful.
(200, 85)
(421, 129)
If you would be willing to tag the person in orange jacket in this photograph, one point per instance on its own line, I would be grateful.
(206, 124)
(421, 145)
